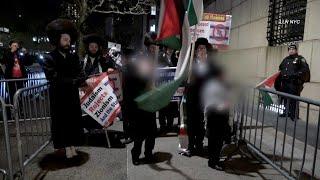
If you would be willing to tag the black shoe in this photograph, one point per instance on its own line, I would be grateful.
(135, 158)
(149, 159)
(135, 162)
(217, 166)
(199, 150)
(292, 118)
(126, 141)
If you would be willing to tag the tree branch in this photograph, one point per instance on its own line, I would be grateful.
(96, 6)
(140, 8)
(120, 12)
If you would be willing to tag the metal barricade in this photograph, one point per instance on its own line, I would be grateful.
(8, 87)
(281, 129)
(32, 120)
(6, 168)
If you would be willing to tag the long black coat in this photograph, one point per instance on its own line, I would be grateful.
(141, 123)
(294, 72)
(65, 76)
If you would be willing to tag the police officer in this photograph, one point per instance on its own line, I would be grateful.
(294, 72)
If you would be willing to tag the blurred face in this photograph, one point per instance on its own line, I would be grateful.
(65, 41)
(93, 48)
(292, 51)
(152, 49)
(202, 52)
(14, 47)
(169, 51)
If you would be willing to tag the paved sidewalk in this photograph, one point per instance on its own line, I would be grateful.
(115, 164)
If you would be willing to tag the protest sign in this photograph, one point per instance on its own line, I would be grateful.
(99, 101)
(165, 75)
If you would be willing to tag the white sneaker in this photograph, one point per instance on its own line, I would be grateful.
(69, 153)
(73, 151)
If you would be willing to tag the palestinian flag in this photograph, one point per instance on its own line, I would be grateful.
(269, 84)
(170, 30)
(172, 18)
(170, 23)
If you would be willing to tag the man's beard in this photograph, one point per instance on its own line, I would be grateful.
(93, 54)
(64, 49)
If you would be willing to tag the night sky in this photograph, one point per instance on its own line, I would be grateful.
(34, 13)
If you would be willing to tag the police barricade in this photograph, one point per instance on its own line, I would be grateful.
(280, 129)
(32, 121)
(9, 86)
(6, 168)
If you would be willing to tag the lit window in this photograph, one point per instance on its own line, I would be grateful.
(153, 10)
(153, 28)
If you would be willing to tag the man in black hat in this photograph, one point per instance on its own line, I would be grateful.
(65, 74)
(150, 43)
(294, 72)
(94, 62)
(195, 118)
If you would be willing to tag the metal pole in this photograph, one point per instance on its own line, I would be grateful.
(305, 142)
(19, 141)
(258, 106)
(316, 147)
(293, 141)
(7, 139)
(252, 109)
(276, 135)
(285, 133)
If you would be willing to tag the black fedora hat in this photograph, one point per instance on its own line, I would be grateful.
(93, 38)
(61, 26)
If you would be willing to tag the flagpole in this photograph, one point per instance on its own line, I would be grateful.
(192, 54)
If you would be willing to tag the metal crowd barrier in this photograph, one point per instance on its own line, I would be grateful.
(9, 86)
(24, 137)
(32, 120)
(288, 142)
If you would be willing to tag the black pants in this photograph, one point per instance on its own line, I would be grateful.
(291, 104)
(195, 130)
(148, 146)
(13, 87)
(166, 118)
(217, 128)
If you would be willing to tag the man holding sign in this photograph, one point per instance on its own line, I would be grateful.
(65, 75)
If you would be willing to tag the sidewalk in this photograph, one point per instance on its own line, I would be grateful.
(115, 164)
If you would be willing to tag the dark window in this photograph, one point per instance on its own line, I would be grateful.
(286, 21)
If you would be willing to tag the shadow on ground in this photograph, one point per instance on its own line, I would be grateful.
(304, 175)
(245, 167)
(98, 139)
(166, 157)
(53, 161)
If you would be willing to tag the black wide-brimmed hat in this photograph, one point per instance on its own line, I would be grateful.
(292, 46)
(203, 41)
(150, 39)
(93, 38)
(61, 26)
